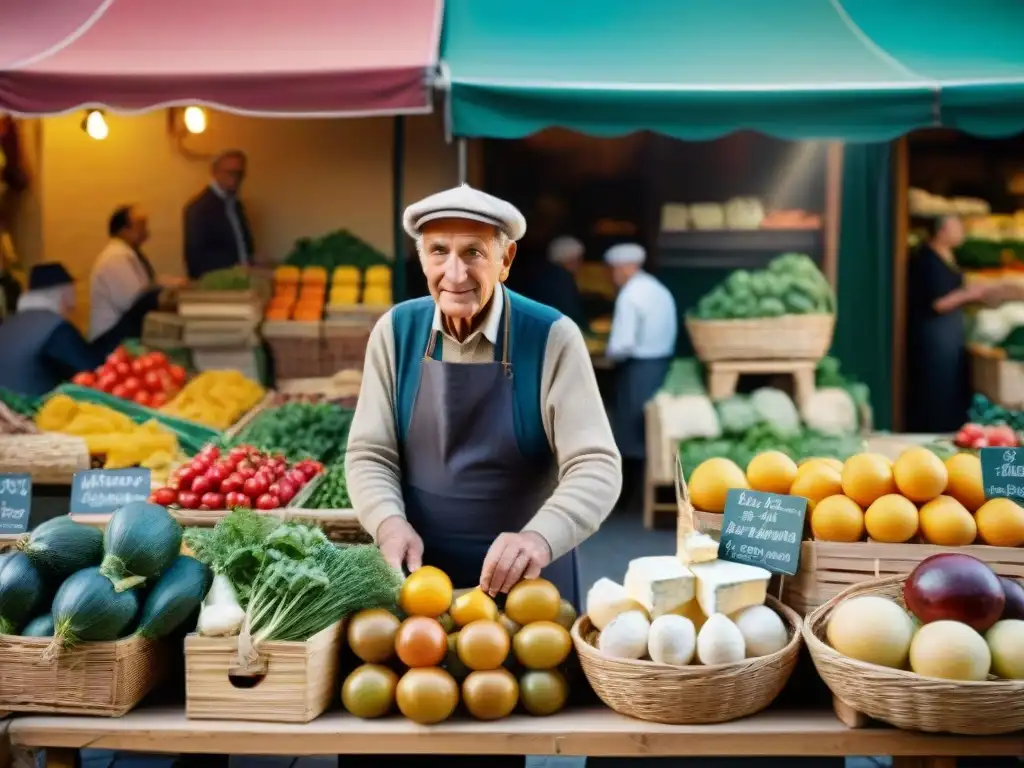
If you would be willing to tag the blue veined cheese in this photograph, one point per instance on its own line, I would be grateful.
(697, 548)
(726, 587)
(662, 584)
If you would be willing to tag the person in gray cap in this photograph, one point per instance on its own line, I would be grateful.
(479, 443)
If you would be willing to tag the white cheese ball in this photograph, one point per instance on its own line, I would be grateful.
(672, 640)
(626, 636)
(720, 642)
(763, 631)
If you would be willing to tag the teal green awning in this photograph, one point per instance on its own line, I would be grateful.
(698, 69)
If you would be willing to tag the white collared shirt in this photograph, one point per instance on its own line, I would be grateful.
(644, 324)
(115, 283)
(459, 351)
(231, 208)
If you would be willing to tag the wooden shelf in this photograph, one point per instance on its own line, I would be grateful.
(735, 249)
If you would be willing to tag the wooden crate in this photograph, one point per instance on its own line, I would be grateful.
(827, 567)
(51, 458)
(724, 376)
(296, 348)
(106, 679)
(998, 379)
(289, 682)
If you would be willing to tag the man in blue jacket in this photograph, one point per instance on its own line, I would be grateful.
(40, 348)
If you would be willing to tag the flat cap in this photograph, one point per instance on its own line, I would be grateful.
(563, 249)
(49, 274)
(625, 253)
(464, 202)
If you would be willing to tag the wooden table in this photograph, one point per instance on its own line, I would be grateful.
(596, 732)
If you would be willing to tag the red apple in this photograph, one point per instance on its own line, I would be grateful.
(955, 587)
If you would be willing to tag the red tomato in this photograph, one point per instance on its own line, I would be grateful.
(201, 463)
(184, 477)
(142, 397)
(310, 468)
(119, 355)
(152, 381)
(232, 483)
(84, 379)
(239, 452)
(297, 476)
(245, 464)
(283, 489)
(267, 501)
(157, 399)
(137, 367)
(255, 486)
(132, 385)
(211, 451)
(157, 359)
(246, 472)
(236, 499)
(177, 373)
(213, 500)
(119, 391)
(164, 496)
(216, 475)
(188, 500)
(202, 485)
(124, 370)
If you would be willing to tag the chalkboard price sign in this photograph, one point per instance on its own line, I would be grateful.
(1002, 473)
(98, 491)
(763, 529)
(15, 502)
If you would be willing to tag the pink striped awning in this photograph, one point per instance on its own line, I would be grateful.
(262, 57)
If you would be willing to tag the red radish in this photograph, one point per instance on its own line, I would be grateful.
(213, 500)
(188, 500)
(267, 501)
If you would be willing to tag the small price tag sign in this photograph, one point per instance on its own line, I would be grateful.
(15, 502)
(98, 491)
(763, 529)
(1002, 473)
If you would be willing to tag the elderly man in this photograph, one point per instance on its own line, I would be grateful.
(479, 443)
(642, 343)
(217, 234)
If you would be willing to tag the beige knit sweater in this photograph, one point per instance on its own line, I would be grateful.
(589, 471)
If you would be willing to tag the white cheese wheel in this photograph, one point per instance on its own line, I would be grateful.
(626, 636)
(606, 600)
(720, 641)
(763, 631)
(672, 640)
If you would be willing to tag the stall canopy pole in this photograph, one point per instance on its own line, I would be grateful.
(397, 172)
(460, 145)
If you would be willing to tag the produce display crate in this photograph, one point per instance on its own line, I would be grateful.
(162, 330)
(789, 337)
(50, 458)
(106, 679)
(343, 346)
(827, 568)
(246, 359)
(288, 683)
(997, 378)
(296, 348)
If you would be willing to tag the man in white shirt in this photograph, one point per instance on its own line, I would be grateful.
(642, 343)
(122, 284)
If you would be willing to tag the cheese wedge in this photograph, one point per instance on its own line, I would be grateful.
(606, 600)
(697, 548)
(725, 587)
(662, 584)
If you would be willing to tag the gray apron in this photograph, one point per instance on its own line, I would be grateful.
(637, 381)
(465, 479)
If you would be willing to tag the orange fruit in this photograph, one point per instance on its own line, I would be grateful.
(837, 518)
(473, 606)
(772, 472)
(533, 600)
(866, 477)
(892, 519)
(965, 484)
(920, 475)
(836, 464)
(427, 695)
(483, 645)
(1001, 523)
(421, 642)
(712, 480)
(426, 592)
(945, 521)
(815, 481)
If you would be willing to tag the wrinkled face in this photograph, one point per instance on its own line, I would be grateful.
(229, 173)
(464, 261)
(622, 272)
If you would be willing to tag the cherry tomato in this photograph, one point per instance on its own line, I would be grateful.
(184, 478)
(240, 452)
(142, 397)
(124, 370)
(105, 370)
(188, 500)
(310, 468)
(255, 486)
(216, 475)
(297, 476)
(245, 474)
(245, 464)
(236, 499)
(106, 383)
(232, 483)
(213, 500)
(157, 359)
(210, 451)
(164, 496)
(84, 379)
(202, 485)
(283, 489)
(137, 366)
(119, 355)
(157, 399)
(153, 382)
(119, 391)
(177, 374)
(267, 501)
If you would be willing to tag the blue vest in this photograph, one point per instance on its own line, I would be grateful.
(22, 338)
(528, 337)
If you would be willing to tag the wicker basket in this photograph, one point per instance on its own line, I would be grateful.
(106, 679)
(998, 379)
(790, 337)
(295, 347)
(905, 699)
(690, 695)
(343, 347)
(291, 682)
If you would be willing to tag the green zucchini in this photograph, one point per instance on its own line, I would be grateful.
(40, 626)
(22, 591)
(88, 608)
(176, 595)
(140, 541)
(60, 546)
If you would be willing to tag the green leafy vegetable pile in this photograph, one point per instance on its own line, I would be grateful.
(300, 430)
(230, 279)
(791, 284)
(332, 492)
(983, 411)
(685, 377)
(20, 404)
(335, 249)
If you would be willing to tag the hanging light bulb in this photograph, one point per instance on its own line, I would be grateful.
(195, 119)
(95, 125)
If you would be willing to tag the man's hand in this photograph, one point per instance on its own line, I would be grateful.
(513, 556)
(400, 544)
